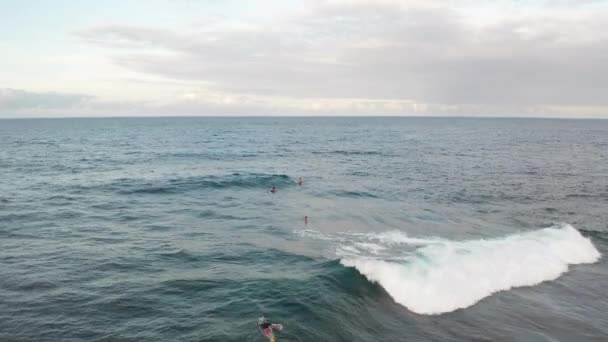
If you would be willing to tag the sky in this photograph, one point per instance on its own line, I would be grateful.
(535, 58)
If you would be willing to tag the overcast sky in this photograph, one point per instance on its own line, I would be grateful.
(297, 57)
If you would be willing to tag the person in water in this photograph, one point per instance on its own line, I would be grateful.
(273, 190)
(267, 328)
(300, 181)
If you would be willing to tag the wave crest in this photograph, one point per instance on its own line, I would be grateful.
(129, 186)
(449, 275)
(434, 276)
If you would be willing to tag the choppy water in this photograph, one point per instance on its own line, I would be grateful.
(420, 229)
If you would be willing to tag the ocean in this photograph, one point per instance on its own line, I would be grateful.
(416, 229)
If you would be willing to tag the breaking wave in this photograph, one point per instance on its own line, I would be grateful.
(434, 276)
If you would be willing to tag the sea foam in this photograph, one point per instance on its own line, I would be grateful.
(443, 275)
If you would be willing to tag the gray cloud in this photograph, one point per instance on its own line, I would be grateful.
(428, 54)
(14, 101)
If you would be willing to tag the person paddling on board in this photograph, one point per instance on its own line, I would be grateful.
(268, 328)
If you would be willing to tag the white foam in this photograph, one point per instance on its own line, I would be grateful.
(444, 275)
(397, 237)
(373, 248)
(315, 234)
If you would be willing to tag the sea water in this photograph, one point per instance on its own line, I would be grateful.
(418, 229)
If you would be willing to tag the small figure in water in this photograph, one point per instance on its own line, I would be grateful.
(300, 181)
(273, 190)
(268, 328)
(305, 219)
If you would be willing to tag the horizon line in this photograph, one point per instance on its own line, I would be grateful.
(300, 116)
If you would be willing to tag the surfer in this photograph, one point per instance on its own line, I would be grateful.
(268, 328)
(305, 219)
(300, 181)
(273, 190)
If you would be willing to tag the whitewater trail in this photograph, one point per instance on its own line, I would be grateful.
(434, 276)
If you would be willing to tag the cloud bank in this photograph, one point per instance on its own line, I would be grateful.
(21, 101)
(376, 57)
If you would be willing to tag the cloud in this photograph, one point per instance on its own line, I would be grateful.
(15, 101)
(385, 52)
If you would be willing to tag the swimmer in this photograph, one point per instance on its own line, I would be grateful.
(300, 181)
(273, 190)
(268, 328)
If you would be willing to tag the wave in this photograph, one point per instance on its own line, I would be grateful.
(353, 194)
(128, 186)
(149, 189)
(235, 180)
(207, 155)
(435, 276)
(181, 255)
(211, 214)
(350, 153)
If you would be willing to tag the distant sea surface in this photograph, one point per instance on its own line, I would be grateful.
(419, 229)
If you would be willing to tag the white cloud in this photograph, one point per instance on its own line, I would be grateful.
(454, 57)
(14, 100)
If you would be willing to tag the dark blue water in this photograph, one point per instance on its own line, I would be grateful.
(164, 229)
